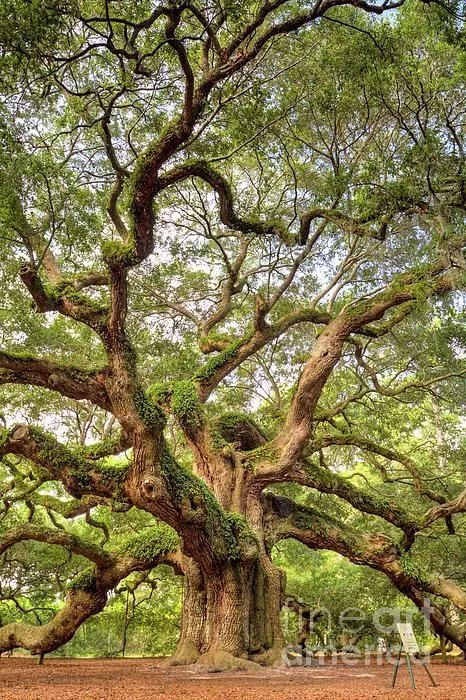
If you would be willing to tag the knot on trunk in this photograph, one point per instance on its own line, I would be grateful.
(192, 509)
(55, 379)
(19, 432)
(151, 487)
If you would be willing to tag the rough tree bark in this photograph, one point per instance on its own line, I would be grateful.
(232, 616)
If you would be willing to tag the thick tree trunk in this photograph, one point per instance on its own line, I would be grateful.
(232, 617)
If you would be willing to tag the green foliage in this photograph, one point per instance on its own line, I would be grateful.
(159, 392)
(333, 585)
(84, 581)
(185, 404)
(118, 253)
(65, 289)
(413, 569)
(151, 414)
(112, 473)
(151, 542)
(28, 26)
(59, 457)
(153, 621)
(264, 453)
(210, 367)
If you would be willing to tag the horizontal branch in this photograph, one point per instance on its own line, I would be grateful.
(325, 481)
(375, 448)
(76, 506)
(286, 519)
(87, 593)
(157, 483)
(64, 539)
(227, 213)
(69, 381)
(114, 444)
(457, 505)
(66, 298)
(343, 221)
(79, 475)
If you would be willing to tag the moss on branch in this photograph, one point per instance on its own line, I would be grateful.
(151, 543)
(214, 363)
(241, 540)
(65, 291)
(119, 253)
(149, 412)
(190, 492)
(186, 405)
(410, 568)
(60, 459)
(418, 284)
(86, 580)
(160, 392)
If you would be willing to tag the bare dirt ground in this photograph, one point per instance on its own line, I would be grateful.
(141, 679)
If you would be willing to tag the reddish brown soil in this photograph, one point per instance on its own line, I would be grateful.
(141, 679)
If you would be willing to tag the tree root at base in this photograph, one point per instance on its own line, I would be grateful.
(272, 658)
(217, 660)
(186, 654)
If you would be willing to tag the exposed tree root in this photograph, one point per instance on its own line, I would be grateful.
(272, 658)
(217, 660)
(186, 653)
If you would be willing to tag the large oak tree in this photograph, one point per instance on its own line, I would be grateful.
(232, 232)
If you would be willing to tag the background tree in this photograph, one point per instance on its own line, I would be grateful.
(241, 227)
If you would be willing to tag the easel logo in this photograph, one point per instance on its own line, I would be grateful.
(410, 647)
